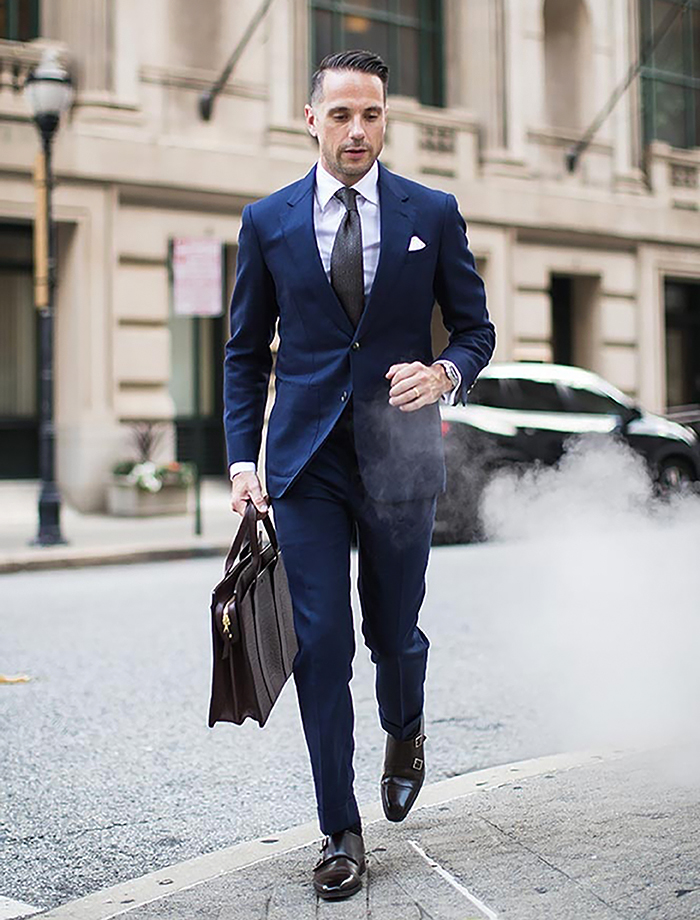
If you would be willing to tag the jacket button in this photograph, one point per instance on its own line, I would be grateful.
(344, 396)
(355, 346)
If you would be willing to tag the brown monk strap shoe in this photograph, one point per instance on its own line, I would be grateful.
(338, 873)
(404, 772)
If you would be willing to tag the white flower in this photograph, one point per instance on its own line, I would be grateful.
(144, 476)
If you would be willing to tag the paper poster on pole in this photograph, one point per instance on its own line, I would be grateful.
(197, 277)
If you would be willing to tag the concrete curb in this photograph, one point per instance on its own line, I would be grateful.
(61, 557)
(127, 896)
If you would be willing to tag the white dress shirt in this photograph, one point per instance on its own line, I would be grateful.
(329, 211)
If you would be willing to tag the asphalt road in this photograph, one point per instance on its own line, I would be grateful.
(109, 769)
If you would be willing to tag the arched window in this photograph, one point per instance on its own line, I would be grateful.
(567, 45)
(406, 33)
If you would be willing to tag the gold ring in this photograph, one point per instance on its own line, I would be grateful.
(417, 392)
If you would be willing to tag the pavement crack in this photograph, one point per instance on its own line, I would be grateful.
(552, 866)
(81, 831)
(423, 913)
(473, 723)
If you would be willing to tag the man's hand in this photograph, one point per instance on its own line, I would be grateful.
(416, 385)
(245, 487)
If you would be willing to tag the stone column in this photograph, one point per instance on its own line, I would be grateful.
(652, 333)
(100, 35)
(87, 27)
(287, 56)
(517, 86)
(626, 117)
(475, 64)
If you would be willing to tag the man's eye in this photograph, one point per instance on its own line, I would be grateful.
(372, 117)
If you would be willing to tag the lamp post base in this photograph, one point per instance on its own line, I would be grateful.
(49, 517)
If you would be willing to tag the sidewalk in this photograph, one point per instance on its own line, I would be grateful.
(568, 837)
(95, 539)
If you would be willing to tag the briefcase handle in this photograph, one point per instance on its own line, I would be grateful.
(249, 529)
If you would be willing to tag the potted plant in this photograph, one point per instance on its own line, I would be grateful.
(142, 487)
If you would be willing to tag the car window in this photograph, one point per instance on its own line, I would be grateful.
(535, 396)
(580, 400)
(489, 391)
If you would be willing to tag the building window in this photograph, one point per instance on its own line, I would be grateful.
(406, 33)
(671, 77)
(19, 20)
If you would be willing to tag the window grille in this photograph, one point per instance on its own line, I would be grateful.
(406, 33)
(671, 78)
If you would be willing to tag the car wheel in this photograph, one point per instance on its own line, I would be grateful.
(674, 473)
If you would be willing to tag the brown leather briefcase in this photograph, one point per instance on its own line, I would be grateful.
(252, 623)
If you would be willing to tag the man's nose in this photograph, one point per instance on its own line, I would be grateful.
(357, 130)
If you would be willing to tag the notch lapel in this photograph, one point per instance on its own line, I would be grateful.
(397, 218)
(298, 227)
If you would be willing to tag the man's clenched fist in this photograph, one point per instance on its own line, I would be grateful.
(246, 487)
(416, 385)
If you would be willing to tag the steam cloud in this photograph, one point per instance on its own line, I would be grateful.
(611, 600)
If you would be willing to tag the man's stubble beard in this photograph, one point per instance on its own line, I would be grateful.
(350, 172)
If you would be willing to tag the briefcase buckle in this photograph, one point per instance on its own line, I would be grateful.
(226, 621)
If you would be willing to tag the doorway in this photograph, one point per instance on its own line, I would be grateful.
(19, 416)
(682, 309)
(574, 306)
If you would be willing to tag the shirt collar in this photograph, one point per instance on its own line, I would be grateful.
(327, 185)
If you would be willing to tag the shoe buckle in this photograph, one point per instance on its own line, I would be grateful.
(418, 740)
(417, 763)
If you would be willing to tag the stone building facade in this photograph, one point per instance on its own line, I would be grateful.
(599, 268)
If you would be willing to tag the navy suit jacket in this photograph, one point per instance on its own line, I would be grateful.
(322, 360)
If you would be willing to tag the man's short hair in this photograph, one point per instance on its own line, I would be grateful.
(364, 61)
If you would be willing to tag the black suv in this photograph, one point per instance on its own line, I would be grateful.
(525, 413)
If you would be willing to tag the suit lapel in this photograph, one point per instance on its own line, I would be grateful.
(298, 227)
(397, 222)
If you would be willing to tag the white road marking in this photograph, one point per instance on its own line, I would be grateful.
(10, 909)
(458, 886)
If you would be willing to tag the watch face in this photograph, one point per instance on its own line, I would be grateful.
(451, 373)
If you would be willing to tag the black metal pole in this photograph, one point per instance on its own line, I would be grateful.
(49, 533)
(197, 399)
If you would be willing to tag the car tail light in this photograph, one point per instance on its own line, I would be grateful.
(444, 428)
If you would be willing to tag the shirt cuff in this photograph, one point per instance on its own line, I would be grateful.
(450, 398)
(242, 466)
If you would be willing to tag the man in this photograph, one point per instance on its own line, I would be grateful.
(349, 262)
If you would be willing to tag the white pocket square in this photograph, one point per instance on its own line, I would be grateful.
(415, 244)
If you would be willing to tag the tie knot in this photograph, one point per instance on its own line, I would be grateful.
(348, 196)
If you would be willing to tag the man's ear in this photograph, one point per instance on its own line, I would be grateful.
(310, 117)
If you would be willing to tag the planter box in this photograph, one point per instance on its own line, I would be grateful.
(127, 500)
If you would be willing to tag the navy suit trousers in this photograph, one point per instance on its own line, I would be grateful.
(315, 521)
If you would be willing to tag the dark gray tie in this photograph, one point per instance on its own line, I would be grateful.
(347, 272)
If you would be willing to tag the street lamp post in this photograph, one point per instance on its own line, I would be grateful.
(49, 92)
